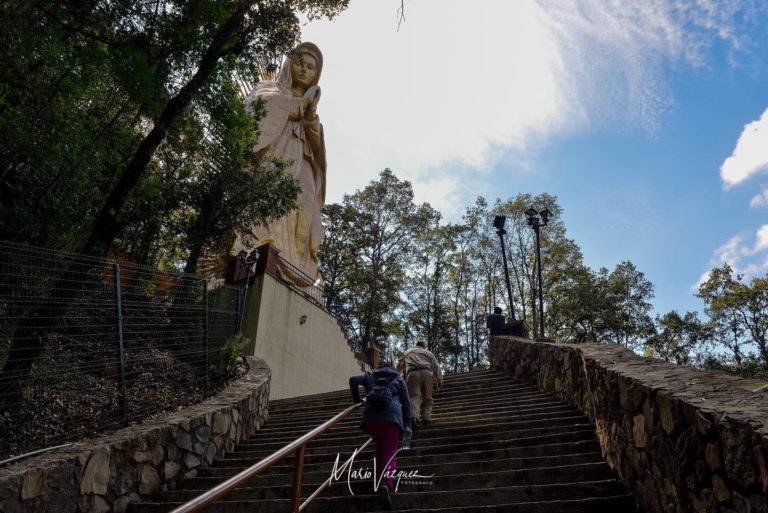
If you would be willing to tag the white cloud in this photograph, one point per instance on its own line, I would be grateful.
(761, 242)
(442, 193)
(760, 200)
(461, 85)
(744, 257)
(750, 156)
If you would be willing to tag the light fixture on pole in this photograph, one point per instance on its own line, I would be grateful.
(498, 223)
(536, 220)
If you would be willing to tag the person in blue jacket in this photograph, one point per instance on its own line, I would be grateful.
(386, 423)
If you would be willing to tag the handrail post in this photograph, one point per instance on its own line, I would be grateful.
(207, 337)
(120, 344)
(298, 476)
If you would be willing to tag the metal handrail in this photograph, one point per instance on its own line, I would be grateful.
(297, 446)
(334, 306)
(325, 299)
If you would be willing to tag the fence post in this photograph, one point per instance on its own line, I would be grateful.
(120, 344)
(239, 313)
(206, 337)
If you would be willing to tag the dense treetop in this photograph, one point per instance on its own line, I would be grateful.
(404, 274)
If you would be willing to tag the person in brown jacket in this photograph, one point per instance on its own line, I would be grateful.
(422, 372)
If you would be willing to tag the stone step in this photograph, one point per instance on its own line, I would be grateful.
(519, 401)
(329, 454)
(521, 454)
(495, 445)
(470, 408)
(449, 390)
(420, 500)
(437, 429)
(479, 434)
(457, 398)
(469, 497)
(444, 466)
(440, 421)
(452, 380)
(438, 479)
(612, 504)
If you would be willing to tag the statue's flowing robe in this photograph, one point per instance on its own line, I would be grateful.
(285, 133)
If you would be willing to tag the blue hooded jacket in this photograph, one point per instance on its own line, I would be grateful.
(398, 411)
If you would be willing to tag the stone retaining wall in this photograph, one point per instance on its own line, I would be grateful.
(108, 473)
(682, 439)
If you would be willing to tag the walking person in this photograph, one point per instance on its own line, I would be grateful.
(387, 418)
(422, 373)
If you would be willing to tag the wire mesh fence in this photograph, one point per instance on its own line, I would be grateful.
(88, 344)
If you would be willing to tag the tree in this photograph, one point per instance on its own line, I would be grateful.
(98, 94)
(241, 30)
(738, 312)
(428, 288)
(677, 338)
(93, 91)
(604, 306)
(345, 237)
(558, 253)
(404, 274)
(629, 319)
(368, 264)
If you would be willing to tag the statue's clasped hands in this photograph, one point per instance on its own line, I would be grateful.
(311, 99)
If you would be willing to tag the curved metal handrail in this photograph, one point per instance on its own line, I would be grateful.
(297, 446)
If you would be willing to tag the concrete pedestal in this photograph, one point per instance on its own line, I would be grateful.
(302, 343)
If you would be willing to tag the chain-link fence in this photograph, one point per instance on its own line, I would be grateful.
(91, 344)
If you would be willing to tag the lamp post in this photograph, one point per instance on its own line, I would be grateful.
(536, 220)
(498, 223)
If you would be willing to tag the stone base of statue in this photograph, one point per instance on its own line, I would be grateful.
(290, 328)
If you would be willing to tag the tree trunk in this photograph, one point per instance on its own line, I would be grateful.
(107, 224)
(27, 340)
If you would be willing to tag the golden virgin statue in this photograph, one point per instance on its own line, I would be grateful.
(291, 131)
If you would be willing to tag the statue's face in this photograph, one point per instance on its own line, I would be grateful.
(303, 70)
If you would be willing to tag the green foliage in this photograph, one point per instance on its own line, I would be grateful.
(123, 124)
(749, 367)
(448, 277)
(403, 275)
(738, 314)
(678, 339)
(229, 355)
(369, 245)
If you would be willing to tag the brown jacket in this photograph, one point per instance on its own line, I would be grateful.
(418, 358)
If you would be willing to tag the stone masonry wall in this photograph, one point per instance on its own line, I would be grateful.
(106, 474)
(682, 439)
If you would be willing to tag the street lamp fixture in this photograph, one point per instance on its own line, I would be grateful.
(536, 220)
(498, 223)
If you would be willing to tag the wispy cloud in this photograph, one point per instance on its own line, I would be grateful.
(749, 157)
(746, 256)
(460, 85)
(761, 242)
(441, 193)
(760, 200)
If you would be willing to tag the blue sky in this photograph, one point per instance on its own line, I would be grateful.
(643, 118)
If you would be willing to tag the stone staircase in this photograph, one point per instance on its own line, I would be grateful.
(495, 446)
